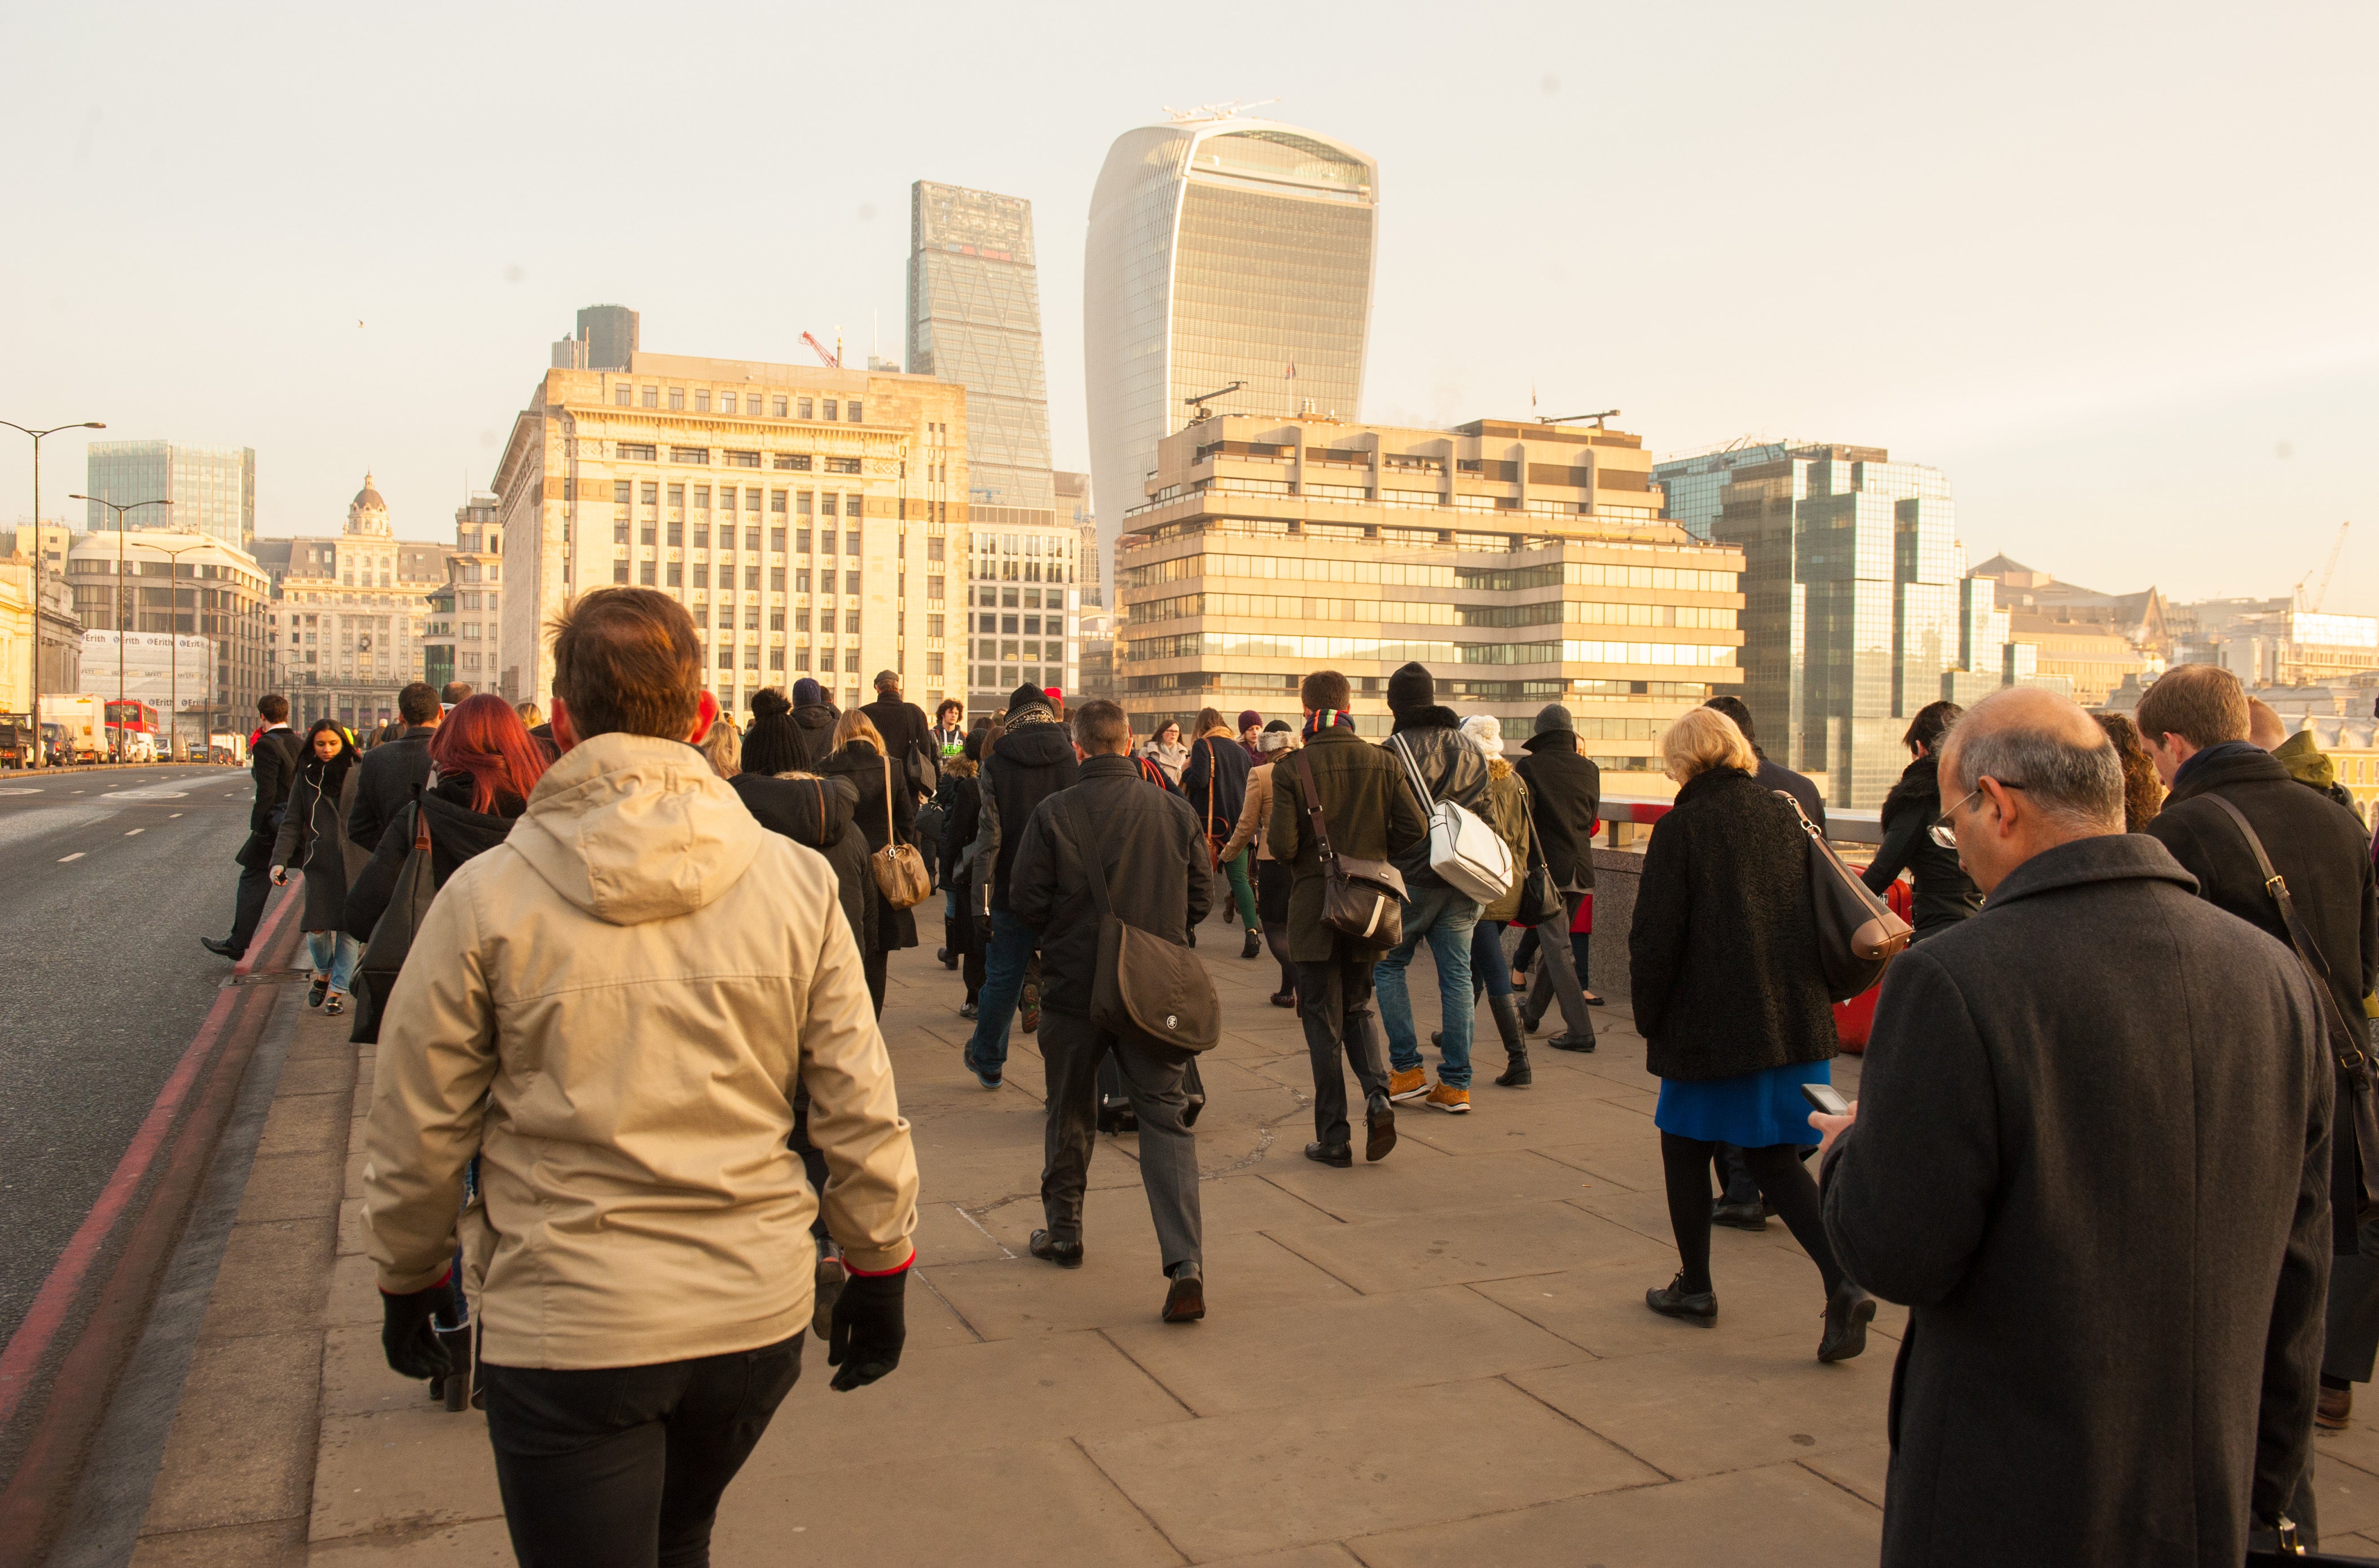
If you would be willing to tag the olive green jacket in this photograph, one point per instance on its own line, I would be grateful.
(1374, 816)
(1507, 812)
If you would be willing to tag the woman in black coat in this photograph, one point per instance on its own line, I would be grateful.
(960, 830)
(313, 840)
(884, 816)
(1944, 895)
(1730, 995)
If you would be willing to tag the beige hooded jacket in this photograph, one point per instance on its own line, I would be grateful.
(610, 1009)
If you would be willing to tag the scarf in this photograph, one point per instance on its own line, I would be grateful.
(1327, 719)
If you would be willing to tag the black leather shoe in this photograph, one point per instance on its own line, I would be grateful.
(222, 950)
(1185, 1299)
(1190, 1105)
(1339, 1154)
(1380, 1123)
(1672, 1300)
(1053, 1249)
(316, 992)
(1567, 1042)
(1742, 1216)
(1254, 948)
(1849, 1310)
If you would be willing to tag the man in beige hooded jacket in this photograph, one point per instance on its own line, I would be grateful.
(609, 1010)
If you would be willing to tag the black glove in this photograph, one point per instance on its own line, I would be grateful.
(869, 1326)
(405, 1337)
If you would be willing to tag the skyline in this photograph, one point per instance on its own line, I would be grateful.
(2112, 289)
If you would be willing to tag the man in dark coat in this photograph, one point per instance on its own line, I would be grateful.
(1773, 775)
(274, 755)
(2194, 721)
(1111, 844)
(1565, 803)
(1372, 814)
(392, 773)
(814, 716)
(908, 738)
(2102, 1189)
(1452, 767)
(1032, 762)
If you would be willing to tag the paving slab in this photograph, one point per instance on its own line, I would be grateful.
(1246, 1273)
(483, 1543)
(1454, 1248)
(403, 1470)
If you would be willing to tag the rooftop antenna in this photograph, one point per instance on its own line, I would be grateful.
(1573, 418)
(1202, 399)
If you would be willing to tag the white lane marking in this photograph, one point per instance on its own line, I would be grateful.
(172, 815)
(20, 792)
(76, 856)
(130, 831)
(148, 795)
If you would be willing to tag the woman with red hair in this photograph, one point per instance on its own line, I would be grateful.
(482, 766)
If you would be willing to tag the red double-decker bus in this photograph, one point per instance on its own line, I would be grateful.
(132, 729)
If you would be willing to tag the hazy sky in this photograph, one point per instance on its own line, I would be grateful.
(2110, 266)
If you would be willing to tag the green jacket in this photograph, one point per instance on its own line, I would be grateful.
(1506, 811)
(1372, 815)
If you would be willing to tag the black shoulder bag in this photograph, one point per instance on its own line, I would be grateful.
(1146, 985)
(1363, 899)
(391, 938)
(2352, 1060)
(1539, 900)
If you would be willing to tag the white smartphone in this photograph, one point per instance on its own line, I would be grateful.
(1827, 1098)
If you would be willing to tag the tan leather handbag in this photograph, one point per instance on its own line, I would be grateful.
(900, 869)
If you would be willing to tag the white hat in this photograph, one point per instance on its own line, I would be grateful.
(1488, 730)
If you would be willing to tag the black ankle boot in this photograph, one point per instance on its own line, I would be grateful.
(1516, 1073)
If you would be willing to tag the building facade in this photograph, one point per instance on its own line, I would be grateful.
(975, 317)
(607, 336)
(460, 641)
(38, 645)
(814, 520)
(345, 632)
(213, 487)
(1221, 249)
(187, 584)
(1520, 563)
(1857, 607)
(1073, 492)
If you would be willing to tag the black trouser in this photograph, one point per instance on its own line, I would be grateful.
(1339, 1017)
(872, 963)
(1686, 1167)
(623, 1467)
(254, 886)
(1072, 1050)
(1272, 883)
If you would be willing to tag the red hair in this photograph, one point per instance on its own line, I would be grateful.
(484, 738)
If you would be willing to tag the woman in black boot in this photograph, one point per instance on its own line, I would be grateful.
(1731, 999)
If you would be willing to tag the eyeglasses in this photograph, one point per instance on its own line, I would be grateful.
(1947, 835)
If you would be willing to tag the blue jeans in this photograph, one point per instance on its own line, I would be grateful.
(1006, 957)
(334, 954)
(1489, 967)
(1445, 917)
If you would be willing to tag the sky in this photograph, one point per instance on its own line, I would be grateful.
(2109, 267)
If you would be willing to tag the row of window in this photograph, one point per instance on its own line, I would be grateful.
(1031, 628)
(752, 404)
(1422, 574)
(674, 574)
(648, 534)
(802, 662)
(1256, 644)
(626, 492)
(1420, 613)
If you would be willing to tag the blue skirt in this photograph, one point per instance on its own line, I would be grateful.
(1751, 1112)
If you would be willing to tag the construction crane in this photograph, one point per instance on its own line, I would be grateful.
(1573, 418)
(833, 361)
(1202, 399)
(2329, 567)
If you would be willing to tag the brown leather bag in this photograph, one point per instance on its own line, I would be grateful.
(1362, 899)
(1858, 933)
(900, 869)
(1146, 984)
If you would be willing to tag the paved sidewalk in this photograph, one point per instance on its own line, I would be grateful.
(1443, 1359)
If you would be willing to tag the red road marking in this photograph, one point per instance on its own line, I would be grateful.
(30, 1345)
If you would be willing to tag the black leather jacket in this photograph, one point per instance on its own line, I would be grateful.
(1451, 766)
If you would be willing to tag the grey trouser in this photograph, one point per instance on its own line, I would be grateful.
(2351, 1342)
(1339, 1016)
(1555, 977)
(1071, 1049)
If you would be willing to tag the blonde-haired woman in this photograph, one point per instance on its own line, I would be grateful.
(723, 747)
(857, 755)
(1731, 1000)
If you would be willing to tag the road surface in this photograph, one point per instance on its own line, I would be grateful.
(107, 881)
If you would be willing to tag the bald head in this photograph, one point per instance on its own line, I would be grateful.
(2045, 742)
(2265, 726)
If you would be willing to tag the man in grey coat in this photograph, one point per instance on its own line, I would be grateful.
(2092, 1157)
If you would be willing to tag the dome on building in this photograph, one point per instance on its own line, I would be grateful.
(367, 496)
(368, 514)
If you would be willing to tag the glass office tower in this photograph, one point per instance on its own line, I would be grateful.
(213, 487)
(1221, 249)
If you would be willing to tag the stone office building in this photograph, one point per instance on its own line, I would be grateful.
(811, 519)
(346, 626)
(1522, 563)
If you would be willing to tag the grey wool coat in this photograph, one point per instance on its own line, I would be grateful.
(2093, 1158)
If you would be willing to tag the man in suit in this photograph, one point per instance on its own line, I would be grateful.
(2196, 722)
(1109, 843)
(273, 759)
(395, 769)
(2091, 1155)
(1371, 814)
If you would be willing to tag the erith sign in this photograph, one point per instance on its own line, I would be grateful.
(156, 666)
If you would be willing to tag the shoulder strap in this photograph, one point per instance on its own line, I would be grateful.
(888, 833)
(1412, 771)
(420, 824)
(2317, 968)
(1209, 745)
(1314, 807)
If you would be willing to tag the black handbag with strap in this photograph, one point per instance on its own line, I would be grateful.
(2353, 1061)
(1539, 900)
(1364, 899)
(391, 938)
(1147, 985)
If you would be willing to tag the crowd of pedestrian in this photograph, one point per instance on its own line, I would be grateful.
(2143, 950)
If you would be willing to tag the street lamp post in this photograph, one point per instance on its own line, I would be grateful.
(35, 715)
(174, 555)
(120, 628)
